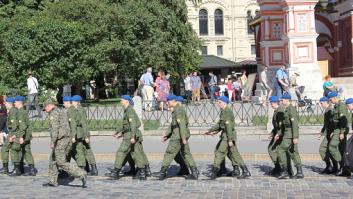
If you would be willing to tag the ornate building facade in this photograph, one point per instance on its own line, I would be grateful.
(223, 27)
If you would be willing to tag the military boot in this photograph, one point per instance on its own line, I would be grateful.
(214, 173)
(299, 174)
(328, 169)
(334, 167)
(343, 171)
(223, 169)
(84, 180)
(245, 172)
(284, 173)
(148, 171)
(16, 171)
(194, 174)
(32, 171)
(235, 172)
(162, 174)
(275, 171)
(114, 173)
(141, 174)
(4, 169)
(94, 170)
(183, 171)
(22, 167)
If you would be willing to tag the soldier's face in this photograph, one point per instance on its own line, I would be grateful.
(324, 104)
(333, 100)
(285, 102)
(75, 103)
(18, 104)
(67, 104)
(350, 107)
(124, 103)
(274, 105)
(48, 108)
(172, 103)
(8, 105)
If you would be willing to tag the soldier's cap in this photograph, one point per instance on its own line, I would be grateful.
(67, 99)
(273, 99)
(180, 98)
(46, 103)
(76, 98)
(286, 96)
(224, 99)
(19, 98)
(10, 100)
(332, 95)
(349, 101)
(324, 99)
(171, 97)
(128, 98)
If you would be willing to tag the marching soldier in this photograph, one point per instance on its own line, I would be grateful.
(339, 136)
(326, 133)
(178, 134)
(25, 136)
(131, 139)
(227, 140)
(12, 127)
(60, 139)
(349, 103)
(290, 140)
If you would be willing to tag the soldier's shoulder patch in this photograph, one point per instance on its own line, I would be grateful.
(292, 119)
(69, 119)
(280, 123)
(130, 119)
(51, 118)
(19, 121)
(11, 121)
(342, 114)
(227, 122)
(178, 120)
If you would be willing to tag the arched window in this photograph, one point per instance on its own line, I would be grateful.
(203, 22)
(218, 21)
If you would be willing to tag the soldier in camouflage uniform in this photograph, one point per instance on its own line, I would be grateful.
(226, 144)
(349, 103)
(12, 127)
(326, 133)
(290, 140)
(131, 140)
(25, 137)
(60, 139)
(339, 136)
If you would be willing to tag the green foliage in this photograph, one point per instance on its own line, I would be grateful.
(77, 41)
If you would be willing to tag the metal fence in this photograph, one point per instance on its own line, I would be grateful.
(107, 116)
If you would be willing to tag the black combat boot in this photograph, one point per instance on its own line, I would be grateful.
(49, 184)
(84, 180)
(148, 171)
(162, 174)
(214, 173)
(343, 171)
(223, 171)
(114, 173)
(94, 170)
(328, 169)
(22, 167)
(131, 172)
(275, 171)
(235, 172)
(334, 167)
(31, 172)
(299, 174)
(194, 174)
(183, 171)
(245, 172)
(141, 174)
(284, 173)
(4, 169)
(16, 171)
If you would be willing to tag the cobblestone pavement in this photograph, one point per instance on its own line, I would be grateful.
(260, 185)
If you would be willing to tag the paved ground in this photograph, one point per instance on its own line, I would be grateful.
(258, 186)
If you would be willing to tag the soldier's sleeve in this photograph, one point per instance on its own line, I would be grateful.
(229, 130)
(55, 126)
(133, 125)
(22, 126)
(72, 123)
(181, 121)
(280, 120)
(169, 131)
(12, 123)
(84, 124)
(216, 127)
(343, 122)
(294, 123)
(323, 129)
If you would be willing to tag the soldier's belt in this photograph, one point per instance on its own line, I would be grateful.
(80, 125)
(174, 126)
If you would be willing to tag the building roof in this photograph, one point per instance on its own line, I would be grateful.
(214, 62)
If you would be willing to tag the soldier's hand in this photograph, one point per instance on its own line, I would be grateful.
(295, 141)
(22, 141)
(119, 135)
(12, 138)
(87, 140)
(52, 146)
(319, 136)
(270, 137)
(276, 137)
(132, 141)
(185, 141)
(341, 136)
(164, 138)
(230, 144)
(73, 140)
(207, 133)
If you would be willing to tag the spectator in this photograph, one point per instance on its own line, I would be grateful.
(195, 86)
(187, 83)
(3, 118)
(265, 83)
(147, 83)
(230, 89)
(222, 87)
(32, 88)
(162, 89)
(295, 88)
(328, 85)
(237, 89)
(244, 79)
(281, 82)
(212, 83)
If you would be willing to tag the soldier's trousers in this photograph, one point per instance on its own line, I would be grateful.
(222, 150)
(15, 153)
(89, 154)
(334, 146)
(141, 153)
(125, 148)
(273, 149)
(287, 147)
(342, 147)
(324, 148)
(175, 148)
(187, 156)
(78, 152)
(26, 153)
(58, 161)
(5, 151)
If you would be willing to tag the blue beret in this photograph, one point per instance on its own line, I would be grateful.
(10, 99)
(349, 101)
(67, 99)
(179, 99)
(171, 97)
(76, 98)
(286, 96)
(324, 99)
(273, 99)
(128, 98)
(19, 98)
(332, 95)
(224, 99)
